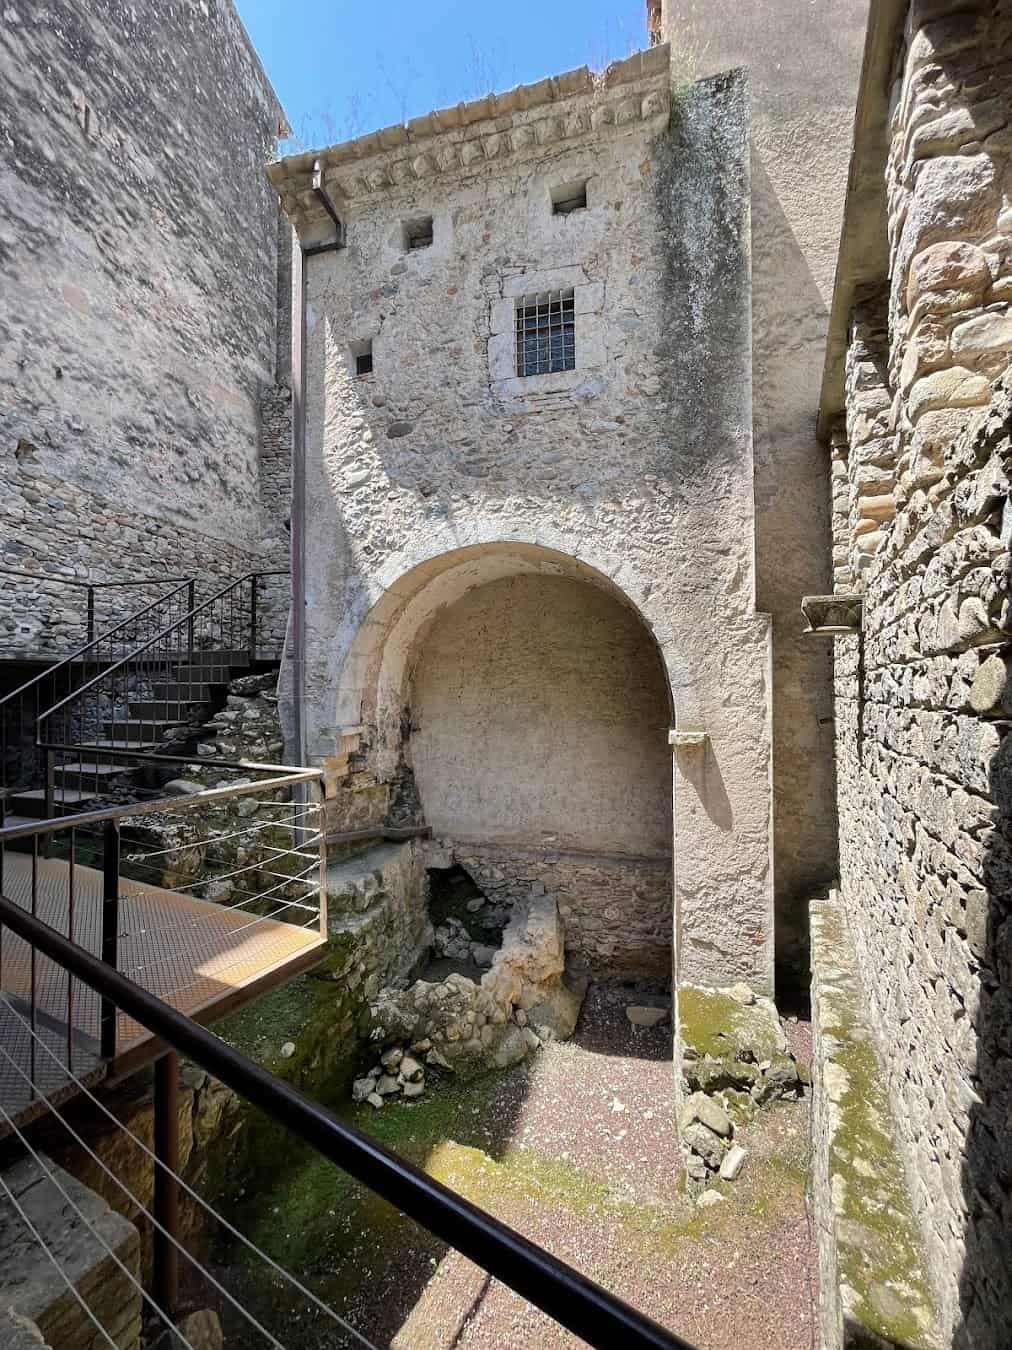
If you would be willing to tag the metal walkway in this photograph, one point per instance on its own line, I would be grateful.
(201, 958)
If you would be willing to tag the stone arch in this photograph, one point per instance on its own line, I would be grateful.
(411, 591)
(588, 811)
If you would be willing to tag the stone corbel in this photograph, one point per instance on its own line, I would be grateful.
(832, 615)
(692, 738)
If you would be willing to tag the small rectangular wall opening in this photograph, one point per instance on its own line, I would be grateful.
(418, 233)
(569, 197)
(546, 333)
(361, 356)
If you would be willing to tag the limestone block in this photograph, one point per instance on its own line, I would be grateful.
(985, 333)
(33, 1287)
(954, 195)
(957, 387)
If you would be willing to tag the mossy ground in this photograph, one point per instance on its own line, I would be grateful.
(509, 1143)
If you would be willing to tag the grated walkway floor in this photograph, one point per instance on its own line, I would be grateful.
(191, 953)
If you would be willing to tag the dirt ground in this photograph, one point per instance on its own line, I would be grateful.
(575, 1149)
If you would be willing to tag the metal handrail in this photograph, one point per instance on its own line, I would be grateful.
(284, 776)
(90, 585)
(159, 637)
(74, 657)
(572, 1299)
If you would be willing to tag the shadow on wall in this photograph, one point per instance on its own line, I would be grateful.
(985, 1287)
(793, 557)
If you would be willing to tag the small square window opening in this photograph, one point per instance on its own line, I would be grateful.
(418, 233)
(361, 356)
(546, 333)
(569, 197)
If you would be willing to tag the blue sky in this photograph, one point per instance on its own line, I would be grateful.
(343, 68)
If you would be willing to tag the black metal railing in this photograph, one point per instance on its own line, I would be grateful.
(573, 1300)
(153, 699)
(22, 764)
(73, 734)
(93, 590)
(97, 879)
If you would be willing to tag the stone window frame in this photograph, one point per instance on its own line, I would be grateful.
(588, 297)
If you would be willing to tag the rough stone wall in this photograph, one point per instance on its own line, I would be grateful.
(803, 62)
(872, 1286)
(923, 529)
(616, 909)
(137, 249)
(50, 526)
(442, 470)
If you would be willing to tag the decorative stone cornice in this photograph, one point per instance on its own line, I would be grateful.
(462, 140)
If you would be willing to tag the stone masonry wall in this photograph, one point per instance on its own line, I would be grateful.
(616, 910)
(442, 470)
(923, 526)
(803, 61)
(138, 260)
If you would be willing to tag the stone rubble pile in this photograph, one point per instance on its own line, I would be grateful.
(396, 1073)
(452, 940)
(734, 1060)
(468, 1027)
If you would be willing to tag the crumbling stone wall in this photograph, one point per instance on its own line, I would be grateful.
(922, 528)
(138, 251)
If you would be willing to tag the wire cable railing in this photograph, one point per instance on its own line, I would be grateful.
(572, 1299)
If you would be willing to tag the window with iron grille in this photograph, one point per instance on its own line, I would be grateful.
(546, 333)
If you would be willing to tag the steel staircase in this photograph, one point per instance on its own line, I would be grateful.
(76, 736)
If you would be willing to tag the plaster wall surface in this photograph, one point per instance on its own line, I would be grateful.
(138, 264)
(803, 62)
(564, 691)
(922, 529)
(441, 471)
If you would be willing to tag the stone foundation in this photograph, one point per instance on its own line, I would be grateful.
(617, 910)
(35, 1303)
(470, 1026)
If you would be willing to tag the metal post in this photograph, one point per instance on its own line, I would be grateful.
(91, 613)
(50, 782)
(318, 794)
(296, 649)
(166, 1200)
(191, 603)
(253, 616)
(110, 930)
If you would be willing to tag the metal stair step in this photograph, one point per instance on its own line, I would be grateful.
(136, 729)
(206, 674)
(173, 710)
(86, 770)
(33, 802)
(224, 657)
(195, 691)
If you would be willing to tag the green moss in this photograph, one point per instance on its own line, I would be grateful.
(880, 1257)
(718, 1027)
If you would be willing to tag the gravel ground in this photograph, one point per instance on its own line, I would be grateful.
(575, 1149)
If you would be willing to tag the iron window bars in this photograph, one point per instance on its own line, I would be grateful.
(546, 333)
